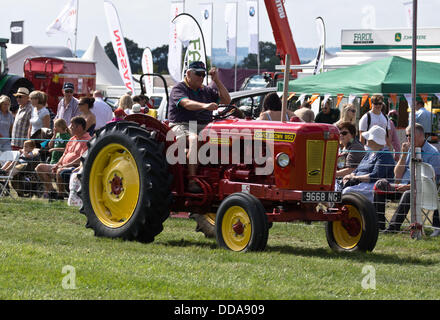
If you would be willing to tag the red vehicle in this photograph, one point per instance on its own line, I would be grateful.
(48, 74)
(129, 185)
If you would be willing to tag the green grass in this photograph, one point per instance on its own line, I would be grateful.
(38, 239)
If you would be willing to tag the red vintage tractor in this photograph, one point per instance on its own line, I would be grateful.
(129, 185)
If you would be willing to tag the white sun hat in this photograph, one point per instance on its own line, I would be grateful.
(377, 134)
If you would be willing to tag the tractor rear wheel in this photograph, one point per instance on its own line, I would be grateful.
(357, 233)
(125, 185)
(241, 223)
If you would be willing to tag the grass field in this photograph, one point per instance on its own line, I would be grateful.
(40, 240)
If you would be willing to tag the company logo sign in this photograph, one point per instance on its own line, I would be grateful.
(252, 11)
(363, 38)
(398, 37)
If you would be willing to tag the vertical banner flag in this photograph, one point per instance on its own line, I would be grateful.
(147, 67)
(340, 96)
(351, 98)
(206, 25)
(409, 15)
(190, 35)
(252, 7)
(174, 45)
(231, 28)
(319, 64)
(66, 20)
(17, 32)
(119, 45)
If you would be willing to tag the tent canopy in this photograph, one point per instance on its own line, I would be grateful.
(387, 76)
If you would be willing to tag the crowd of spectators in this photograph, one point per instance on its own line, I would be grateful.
(51, 144)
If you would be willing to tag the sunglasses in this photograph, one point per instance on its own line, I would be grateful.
(344, 133)
(408, 136)
(200, 73)
(377, 102)
(68, 91)
(352, 110)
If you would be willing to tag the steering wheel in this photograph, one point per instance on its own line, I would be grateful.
(230, 110)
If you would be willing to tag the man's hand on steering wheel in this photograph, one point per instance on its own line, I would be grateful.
(211, 106)
(229, 110)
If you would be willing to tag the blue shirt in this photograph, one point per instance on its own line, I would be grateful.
(430, 155)
(377, 165)
(423, 117)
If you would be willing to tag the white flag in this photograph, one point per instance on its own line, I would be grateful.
(231, 28)
(206, 25)
(319, 64)
(119, 44)
(252, 10)
(147, 67)
(66, 20)
(189, 33)
(174, 45)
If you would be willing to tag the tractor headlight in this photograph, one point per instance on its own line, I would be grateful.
(283, 159)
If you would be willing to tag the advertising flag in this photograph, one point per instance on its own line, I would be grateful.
(190, 35)
(252, 10)
(147, 67)
(66, 20)
(17, 32)
(174, 44)
(206, 25)
(319, 64)
(119, 45)
(231, 28)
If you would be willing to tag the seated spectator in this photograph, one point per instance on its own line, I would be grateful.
(6, 123)
(327, 113)
(305, 112)
(374, 166)
(272, 109)
(348, 114)
(143, 100)
(70, 159)
(28, 154)
(119, 115)
(352, 150)
(126, 103)
(401, 189)
(59, 140)
(85, 105)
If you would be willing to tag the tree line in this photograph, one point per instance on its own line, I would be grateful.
(268, 57)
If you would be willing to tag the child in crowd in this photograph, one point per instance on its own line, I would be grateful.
(59, 140)
(27, 154)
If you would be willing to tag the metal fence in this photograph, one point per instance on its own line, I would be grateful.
(24, 182)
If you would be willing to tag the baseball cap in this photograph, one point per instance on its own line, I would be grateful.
(377, 134)
(68, 85)
(22, 91)
(197, 66)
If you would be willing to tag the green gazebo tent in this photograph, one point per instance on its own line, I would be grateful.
(391, 75)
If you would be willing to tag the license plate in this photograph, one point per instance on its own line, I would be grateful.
(321, 196)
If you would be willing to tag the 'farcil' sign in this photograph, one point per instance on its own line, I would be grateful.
(427, 38)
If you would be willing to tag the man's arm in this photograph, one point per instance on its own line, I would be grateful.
(400, 167)
(225, 98)
(195, 105)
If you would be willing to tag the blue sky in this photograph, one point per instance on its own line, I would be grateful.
(147, 21)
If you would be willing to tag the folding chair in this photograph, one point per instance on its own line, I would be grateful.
(6, 156)
(427, 186)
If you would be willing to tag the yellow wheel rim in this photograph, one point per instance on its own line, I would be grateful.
(236, 228)
(114, 185)
(348, 234)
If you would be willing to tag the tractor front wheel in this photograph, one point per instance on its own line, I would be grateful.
(241, 223)
(359, 232)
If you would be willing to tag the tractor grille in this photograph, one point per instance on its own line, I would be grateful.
(318, 171)
(315, 153)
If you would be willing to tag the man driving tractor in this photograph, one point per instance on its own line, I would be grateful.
(191, 101)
